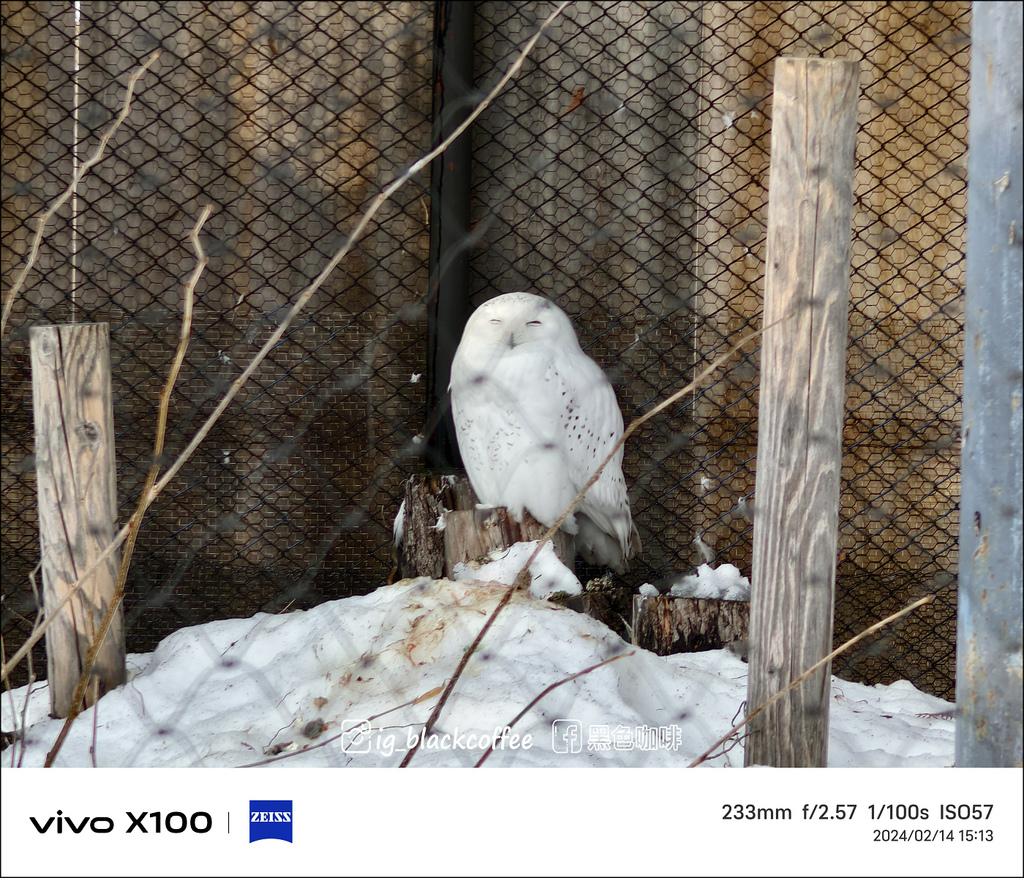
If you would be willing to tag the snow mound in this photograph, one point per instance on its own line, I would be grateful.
(350, 683)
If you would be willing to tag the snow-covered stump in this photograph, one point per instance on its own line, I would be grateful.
(708, 609)
(442, 527)
(667, 625)
(76, 483)
(471, 534)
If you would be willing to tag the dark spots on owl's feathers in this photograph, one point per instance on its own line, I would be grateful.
(527, 411)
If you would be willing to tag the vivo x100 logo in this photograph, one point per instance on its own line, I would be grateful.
(270, 818)
(145, 822)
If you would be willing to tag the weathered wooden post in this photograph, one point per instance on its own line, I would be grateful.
(76, 484)
(803, 368)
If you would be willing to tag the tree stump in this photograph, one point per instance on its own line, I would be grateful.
(667, 625)
(608, 600)
(443, 527)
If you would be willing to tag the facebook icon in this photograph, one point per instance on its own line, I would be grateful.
(270, 818)
(567, 736)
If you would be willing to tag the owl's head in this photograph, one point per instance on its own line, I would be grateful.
(516, 319)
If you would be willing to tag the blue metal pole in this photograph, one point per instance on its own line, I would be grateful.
(988, 690)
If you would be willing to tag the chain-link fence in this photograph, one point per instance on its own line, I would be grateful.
(287, 117)
(624, 174)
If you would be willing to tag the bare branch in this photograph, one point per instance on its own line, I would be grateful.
(147, 495)
(304, 297)
(43, 218)
(18, 733)
(289, 318)
(523, 579)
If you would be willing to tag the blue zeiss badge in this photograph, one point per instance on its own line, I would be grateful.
(270, 818)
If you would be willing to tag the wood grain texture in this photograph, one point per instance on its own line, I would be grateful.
(472, 534)
(800, 424)
(426, 500)
(75, 471)
(443, 527)
(668, 625)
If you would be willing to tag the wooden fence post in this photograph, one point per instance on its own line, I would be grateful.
(803, 369)
(76, 484)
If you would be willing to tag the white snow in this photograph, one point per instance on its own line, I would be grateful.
(723, 583)
(548, 574)
(351, 682)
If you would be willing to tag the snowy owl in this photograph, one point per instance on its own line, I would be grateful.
(535, 417)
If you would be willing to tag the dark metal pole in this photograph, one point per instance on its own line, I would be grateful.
(988, 662)
(448, 298)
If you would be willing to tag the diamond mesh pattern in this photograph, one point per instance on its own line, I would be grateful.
(624, 174)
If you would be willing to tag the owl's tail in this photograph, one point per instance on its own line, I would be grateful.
(602, 549)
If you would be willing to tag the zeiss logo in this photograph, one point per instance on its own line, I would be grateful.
(270, 818)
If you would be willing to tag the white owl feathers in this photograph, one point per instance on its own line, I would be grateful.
(535, 417)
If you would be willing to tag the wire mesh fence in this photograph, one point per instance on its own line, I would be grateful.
(626, 175)
(286, 117)
(623, 174)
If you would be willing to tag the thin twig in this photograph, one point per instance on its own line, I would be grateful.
(147, 495)
(356, 234)
(636, 423)
(810, 672)
(14, 710)
(31, 675)
(522, 579)
(43, 218)
(289, 317)
(95, 720)
(550, 688)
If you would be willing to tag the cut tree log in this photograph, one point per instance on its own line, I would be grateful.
(667, 625)
(442, 527)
